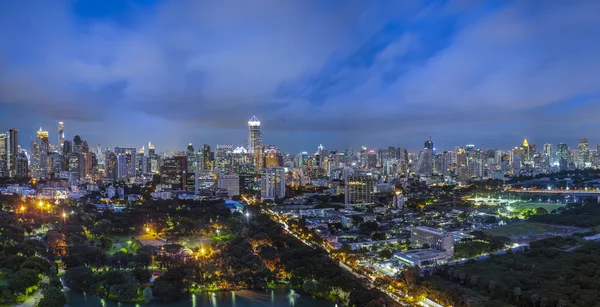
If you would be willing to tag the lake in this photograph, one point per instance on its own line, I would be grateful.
(245, 298)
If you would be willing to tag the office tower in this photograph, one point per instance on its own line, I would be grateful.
(231, 183)
(206, 158)
(563, 156)
(247, 173)
(3, 155)
(67, 147)
(142, 162)
(43, 136)
(13, 151)
(151, 150)
(439, 240)
(584, 159)
(526, 150)
(126, 162)
(548, 150)
(173, 172)
(112, 166)
(272, 183)
(359, 189)
(426, 159)
(39, 156)
(273, 157)
(191, 157)
(22, 166)
(61, 134)
(255, 145)
(223, 158)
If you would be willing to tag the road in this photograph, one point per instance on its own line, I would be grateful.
(393, 296)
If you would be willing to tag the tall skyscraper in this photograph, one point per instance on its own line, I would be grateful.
(273, 183)
(13, 151)
(584, 159)
(206, 158)
(548, 150)
(255, 142)
(426, 161)
(3, 155)
(61, 134)
(126, 158)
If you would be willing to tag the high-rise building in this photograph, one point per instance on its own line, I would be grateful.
(272, 183)
(67, 147)
(173, 172)
(584, 158)
(22, 166)
(43, 136)
(426, 159)
(206, 158)
(112, 166)
(151, 150)
(13, 151)
(61, 133)
(224, 158)
(563, 156)
(39, 156)
(3, 155)
(359, 189)
(548, 150)
(126, 162)
(255, 142)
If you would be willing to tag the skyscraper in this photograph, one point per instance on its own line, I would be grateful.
(3, 155)
(255, 142)
(584, 159)
(206, 159)
(426, 161)
(13, 151)
(61, 133)
(273, 183)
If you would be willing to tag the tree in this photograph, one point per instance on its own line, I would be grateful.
(492, 286)
(517, 294)
(23, 280)
(378, 236)
(53, 297)
(535, 299)
(79, 278)
(543, 302)
(561, 303)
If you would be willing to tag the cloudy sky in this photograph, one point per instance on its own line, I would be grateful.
(341, 73)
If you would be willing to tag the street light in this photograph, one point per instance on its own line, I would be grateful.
(128, 245)
(64, 215)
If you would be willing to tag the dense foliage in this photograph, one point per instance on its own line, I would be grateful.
(544, 276)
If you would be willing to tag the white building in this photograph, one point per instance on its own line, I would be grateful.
(273, 183)
(231, 183)
(438, 240)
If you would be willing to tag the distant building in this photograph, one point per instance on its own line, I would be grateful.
(272, 183)
(439, 240)
(231, 183)
(359, 189)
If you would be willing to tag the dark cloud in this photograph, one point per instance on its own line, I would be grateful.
(346, 75)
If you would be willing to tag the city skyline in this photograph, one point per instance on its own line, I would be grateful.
(370, 74)
(254, 121)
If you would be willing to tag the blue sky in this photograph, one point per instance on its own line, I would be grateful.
(338, 73)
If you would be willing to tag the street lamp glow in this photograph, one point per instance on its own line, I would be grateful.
(22, 208)
(40, 204)
(147, 229)
(247, 214)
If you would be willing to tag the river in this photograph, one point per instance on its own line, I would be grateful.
(245, 298)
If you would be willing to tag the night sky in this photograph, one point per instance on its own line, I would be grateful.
(341, 73)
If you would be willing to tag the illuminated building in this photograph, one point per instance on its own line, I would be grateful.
(425, 166)
(111, 166)
(272, 183)
(247, 173)
(173, 172)
(526, 150)
(77, 144)
(126, 158)
(13, 151)
(3, 155)
(273, 157)
(39, 156)
(439, 240)
(255, 144)
(151, 150)
(22, 166)
(584, 157)
(359, 189)
(67, 147)
(43, 136)
(564, 156)
(223, 158)
(206, 157)
(61, 134)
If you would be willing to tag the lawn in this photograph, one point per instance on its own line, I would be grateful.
(547, 206)
(524, 232)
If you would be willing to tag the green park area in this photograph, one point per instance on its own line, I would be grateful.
(528, 231)
(532, 205)
(559, 271)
